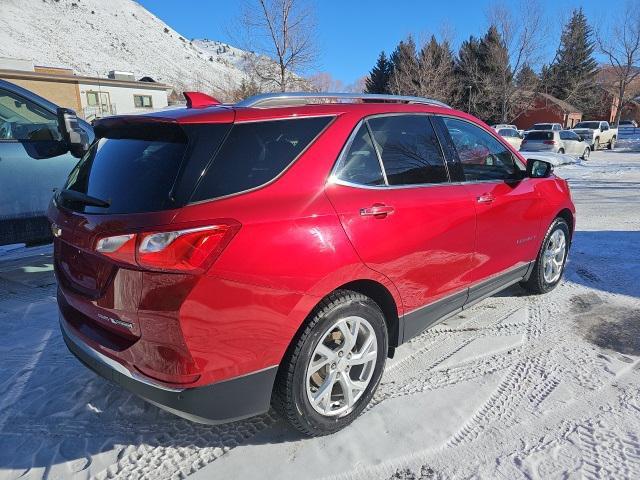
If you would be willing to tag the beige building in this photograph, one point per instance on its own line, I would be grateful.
(90, 97)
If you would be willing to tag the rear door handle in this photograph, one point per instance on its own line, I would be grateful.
(377, 210)
(486, 198)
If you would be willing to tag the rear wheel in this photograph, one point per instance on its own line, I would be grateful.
(612, 143)
(561, 150)
(549, 266)
(332, 370)
(586, 153)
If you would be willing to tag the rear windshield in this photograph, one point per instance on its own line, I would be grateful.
(131, 174)
(255, 153)
(542, 126)
(539, 135)
(591, 125)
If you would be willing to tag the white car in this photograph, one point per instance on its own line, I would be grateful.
(503, 125)
(562, 142)
(512, 136)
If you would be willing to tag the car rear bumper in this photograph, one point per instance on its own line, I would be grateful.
(221, 402)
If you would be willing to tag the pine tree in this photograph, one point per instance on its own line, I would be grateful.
(378, 79)
(435, 71)
(527, 78)
(404, 60)
(571, 76)
(484, 77)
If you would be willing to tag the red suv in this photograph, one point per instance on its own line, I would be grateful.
(219, 259)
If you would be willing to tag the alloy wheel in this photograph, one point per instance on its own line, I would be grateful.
(341, 366)
(554, 255)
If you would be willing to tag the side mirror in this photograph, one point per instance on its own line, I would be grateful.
(73, 135)
(538, 168)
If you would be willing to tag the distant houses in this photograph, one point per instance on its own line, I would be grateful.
(91, 97)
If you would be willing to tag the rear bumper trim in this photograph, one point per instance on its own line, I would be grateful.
(221, 402)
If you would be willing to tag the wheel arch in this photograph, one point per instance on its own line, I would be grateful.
(567, 215)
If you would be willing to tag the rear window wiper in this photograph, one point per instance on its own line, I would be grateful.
(83, 198)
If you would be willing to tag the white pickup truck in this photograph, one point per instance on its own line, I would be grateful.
(597, 133)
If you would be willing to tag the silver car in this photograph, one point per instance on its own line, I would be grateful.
(39, 145)
(563, 141)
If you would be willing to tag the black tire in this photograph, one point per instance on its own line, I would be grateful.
(290, 398)
(536, 282)
(612, 143)
(561, 150)
(596, 144)
(585, 154)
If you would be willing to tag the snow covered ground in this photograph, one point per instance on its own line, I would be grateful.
(516, 387)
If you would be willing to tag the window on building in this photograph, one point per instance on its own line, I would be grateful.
(92, 99)
(142, 101)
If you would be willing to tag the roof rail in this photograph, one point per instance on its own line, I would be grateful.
(284, 99)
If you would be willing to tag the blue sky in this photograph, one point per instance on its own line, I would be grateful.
(352, 33)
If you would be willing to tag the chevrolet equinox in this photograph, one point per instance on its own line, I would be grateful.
(218, 259)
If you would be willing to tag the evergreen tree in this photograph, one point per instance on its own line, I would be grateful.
(378, 79)
(435, 71)
(527, 79)
(572, 74)
(404, 75)
(484, 78)
(466, 74)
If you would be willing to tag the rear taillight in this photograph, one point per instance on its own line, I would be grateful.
(549, 142)
(186, 250)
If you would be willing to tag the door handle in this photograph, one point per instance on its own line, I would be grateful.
(486, 198)
(377, 210)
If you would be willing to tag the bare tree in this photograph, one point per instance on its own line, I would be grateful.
(325, 82)
(523, 32)
(280, 31)
(620, 43)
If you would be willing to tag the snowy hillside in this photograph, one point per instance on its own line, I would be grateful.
(95, 36)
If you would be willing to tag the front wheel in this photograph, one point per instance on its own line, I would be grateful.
(333, 368)
(596, 144)
(612, 143)
(561, 150)
(585, 154)
(549, 266)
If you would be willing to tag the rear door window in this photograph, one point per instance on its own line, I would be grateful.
(255, 153)
(409, 149)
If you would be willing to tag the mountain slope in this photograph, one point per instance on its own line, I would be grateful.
(95, 36)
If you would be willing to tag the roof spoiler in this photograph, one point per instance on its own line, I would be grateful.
(200, 100)
(141, 127)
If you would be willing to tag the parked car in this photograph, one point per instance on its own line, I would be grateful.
(287, 265)
(564, 141)
(503, 125)
(628, 123)
(36, 155)
(597, 133)
(556, 127)
(512, 136)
